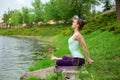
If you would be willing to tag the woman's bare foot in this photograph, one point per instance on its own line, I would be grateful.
(55, 58)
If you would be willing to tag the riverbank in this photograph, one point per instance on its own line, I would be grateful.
(104, 50)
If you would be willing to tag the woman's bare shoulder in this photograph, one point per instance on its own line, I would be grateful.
(78, 36)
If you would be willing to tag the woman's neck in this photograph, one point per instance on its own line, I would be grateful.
(76, 31)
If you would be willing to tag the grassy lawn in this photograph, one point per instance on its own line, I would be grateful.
(104, 48)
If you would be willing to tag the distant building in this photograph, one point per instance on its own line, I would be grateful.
(51, 22)
(1, 21)
(2, 24)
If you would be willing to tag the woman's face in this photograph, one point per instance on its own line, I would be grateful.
(74, 24)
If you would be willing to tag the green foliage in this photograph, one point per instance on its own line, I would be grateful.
(15, 18)
(66, 9)
(25, 13)
(38, 10)
(31, 18)
(5, 17)
(81, 8)
(106, 21)
(107, 5)
(51, 11)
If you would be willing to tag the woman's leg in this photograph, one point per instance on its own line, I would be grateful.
(64, 62)
(70, 62)
(56, 58)
(78, 61)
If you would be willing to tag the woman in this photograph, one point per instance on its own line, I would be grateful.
(74, 46)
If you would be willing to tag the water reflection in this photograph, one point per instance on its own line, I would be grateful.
(16, 55)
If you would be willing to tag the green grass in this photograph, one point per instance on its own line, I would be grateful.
(32, 78)
(104, 48)
(35, 31)
(42, 64)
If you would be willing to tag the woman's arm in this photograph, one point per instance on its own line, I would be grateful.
(82, 42)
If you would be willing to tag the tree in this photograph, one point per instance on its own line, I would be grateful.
(25, 14)
(107, 5)
(5, 17)
(38, 10)
(94, 3)
(51, 11)
(15, 18)
(64, 9)
(31, 19)
(118, 9)
(117, 2)
(81, 7)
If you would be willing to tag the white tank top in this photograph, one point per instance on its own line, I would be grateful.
(74, 47)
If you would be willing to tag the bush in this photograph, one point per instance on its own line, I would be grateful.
(103, 22)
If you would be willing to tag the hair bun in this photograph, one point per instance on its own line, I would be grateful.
(82, 23)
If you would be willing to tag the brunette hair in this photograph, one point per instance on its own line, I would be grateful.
(80, 22)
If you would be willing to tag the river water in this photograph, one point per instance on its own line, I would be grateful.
(18, 54)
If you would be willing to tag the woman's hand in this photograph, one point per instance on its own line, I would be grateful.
(90, 61)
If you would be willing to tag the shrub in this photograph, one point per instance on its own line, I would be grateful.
(103, 22)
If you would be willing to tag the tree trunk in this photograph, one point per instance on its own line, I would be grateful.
(118, 9)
